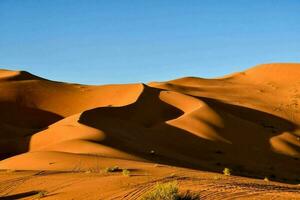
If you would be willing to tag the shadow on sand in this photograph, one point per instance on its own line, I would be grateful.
(140, 128)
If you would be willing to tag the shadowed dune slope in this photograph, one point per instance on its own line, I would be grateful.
(247, 121)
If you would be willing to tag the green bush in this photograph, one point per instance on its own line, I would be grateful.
(112, 169)
(126, 172)
(163, 191)
(41, 194)
(227, 172)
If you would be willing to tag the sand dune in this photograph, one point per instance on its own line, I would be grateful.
(246, 121)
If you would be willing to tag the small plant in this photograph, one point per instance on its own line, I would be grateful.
(189, 196)
(152, 152)
(163, 191)
(126, 172)
(41, 194)
(112, 169)
(227, 172)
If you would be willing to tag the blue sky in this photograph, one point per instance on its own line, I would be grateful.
(124, 41)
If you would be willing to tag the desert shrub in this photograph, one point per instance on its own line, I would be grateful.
(41, 194)
(168, 191)
(189, 196)
(126, 172)
(163, 191)
(227, 172)
(112, 169)
(152, 152)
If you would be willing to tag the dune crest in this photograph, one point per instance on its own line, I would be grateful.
(248, 121)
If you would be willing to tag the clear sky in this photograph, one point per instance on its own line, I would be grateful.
(123, 41)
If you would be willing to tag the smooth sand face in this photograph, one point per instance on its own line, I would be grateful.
(247, 121)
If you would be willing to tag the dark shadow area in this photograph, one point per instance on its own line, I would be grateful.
(269, 122)
(18, 123)
(189, 196)
(16, 115)
(277, 188)
(20, 195)
(146, 112)
(140, 129)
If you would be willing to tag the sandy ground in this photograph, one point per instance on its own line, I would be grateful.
(102, 185)
(59, 137)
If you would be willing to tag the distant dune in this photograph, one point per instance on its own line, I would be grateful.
(248, 121)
